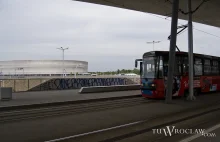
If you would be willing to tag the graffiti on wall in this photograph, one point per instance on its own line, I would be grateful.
(69, 83)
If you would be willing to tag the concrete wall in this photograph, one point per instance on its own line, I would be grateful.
(19, 85)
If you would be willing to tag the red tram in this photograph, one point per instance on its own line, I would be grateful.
(154, 71)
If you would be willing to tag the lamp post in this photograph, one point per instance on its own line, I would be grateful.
(63, 49)
(153, 42)
(76, 69)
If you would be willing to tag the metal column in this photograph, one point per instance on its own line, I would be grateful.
(63, 63)
(76, 70)
(190, 52)
(175, 9)
(63, 49)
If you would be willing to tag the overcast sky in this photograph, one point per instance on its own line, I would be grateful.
(108, 38)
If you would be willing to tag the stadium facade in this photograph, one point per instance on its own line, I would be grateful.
(42, 67)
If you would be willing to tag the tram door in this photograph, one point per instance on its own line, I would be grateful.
(185, 66)
(178, 69)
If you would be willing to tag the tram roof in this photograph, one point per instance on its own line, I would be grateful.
(166, 53)
(208, 12)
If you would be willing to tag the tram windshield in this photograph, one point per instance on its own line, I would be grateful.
(152, 67)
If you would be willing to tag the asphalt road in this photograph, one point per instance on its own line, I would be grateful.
(207, 122)
(37, 130)
(67, 125)
(213, 135)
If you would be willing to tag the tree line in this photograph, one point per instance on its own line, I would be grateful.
(119, 71)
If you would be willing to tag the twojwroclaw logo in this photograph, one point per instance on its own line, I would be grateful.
(171, 130)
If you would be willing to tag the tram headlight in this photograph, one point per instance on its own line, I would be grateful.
(153, 85)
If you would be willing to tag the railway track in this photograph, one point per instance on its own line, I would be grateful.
(33, 113)
(188, 119)
(180, 120)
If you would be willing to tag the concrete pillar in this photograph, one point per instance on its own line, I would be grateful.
(174, 22)
(190, 52)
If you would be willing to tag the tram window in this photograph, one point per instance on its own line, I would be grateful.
(207, 70)
(177, 65)
(149, 67)
(207, 62)
(215, 63)
(165, 65)
(207, 67)
(198, 66)
(185, 60)
(160, 67)
(215, 68)
(219, 68)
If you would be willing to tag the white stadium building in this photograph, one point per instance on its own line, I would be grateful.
(42, 67)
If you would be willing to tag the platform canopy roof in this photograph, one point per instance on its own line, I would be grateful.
(208, 12)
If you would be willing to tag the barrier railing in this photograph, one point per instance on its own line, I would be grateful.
(96, 89)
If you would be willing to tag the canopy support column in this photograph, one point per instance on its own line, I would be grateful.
(190, 52)
(174, 22)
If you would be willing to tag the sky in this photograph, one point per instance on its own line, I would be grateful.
(108, 38)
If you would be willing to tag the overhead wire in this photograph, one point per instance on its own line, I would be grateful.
(166, 18)
(207, 33)
(193, 11)
(183, 24)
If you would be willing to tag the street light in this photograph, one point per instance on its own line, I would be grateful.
(63, 49)
(153, 42)
(76, 69)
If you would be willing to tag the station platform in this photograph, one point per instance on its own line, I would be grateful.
(39, 97)
(109, 117)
